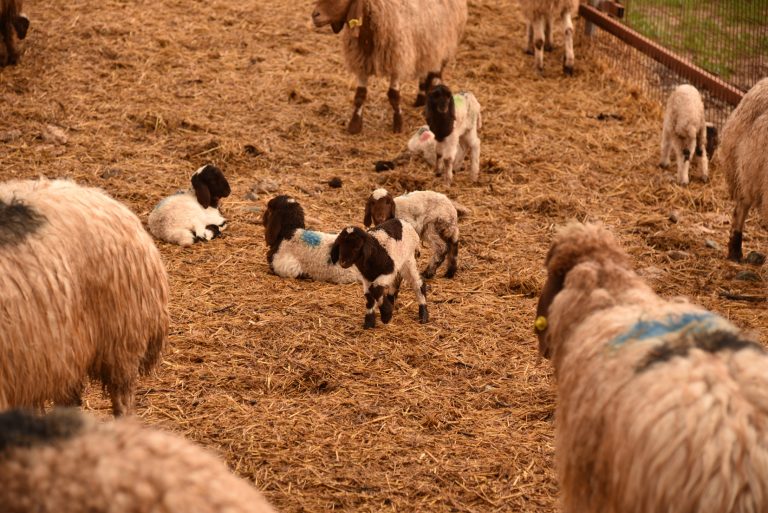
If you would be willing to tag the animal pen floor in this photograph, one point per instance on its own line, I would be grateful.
(277, 375)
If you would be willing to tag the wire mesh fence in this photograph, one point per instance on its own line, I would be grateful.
(726, 38)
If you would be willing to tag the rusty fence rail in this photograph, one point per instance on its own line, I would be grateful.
(720, 46)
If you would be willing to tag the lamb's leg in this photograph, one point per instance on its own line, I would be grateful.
(548, 46)
(396, 289)
(370, 307)
(12, 54)
(538, 42)
(122, 394)
(394, 99)
(737, 227)
(453, 258)
(684, 162)
(355, 125)
(419, 287)
(569, 57)
(701, 151)
(448, 169)
(529, 32)
(439, 251)
(384, 302)
(666, 149)
(474, 155)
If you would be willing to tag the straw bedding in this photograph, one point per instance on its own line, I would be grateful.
(278, 375)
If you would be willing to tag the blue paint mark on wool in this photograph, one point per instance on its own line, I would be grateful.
(692, 322)
(311, 238)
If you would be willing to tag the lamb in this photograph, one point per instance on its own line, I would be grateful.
(422, 144)
(539, 15)
(84, 293)
(455, 120)
(742, 154)
(685, 130)
(431, 214)
(13, 27)
(193, 215)
(399, 39)
(295, 252)
(383, 255)
(663, 406)
(66, 462)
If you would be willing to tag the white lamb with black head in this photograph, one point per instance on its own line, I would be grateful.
(455, 120)
(432, 215)
(295, 252)
(193, 215)
(383, 255)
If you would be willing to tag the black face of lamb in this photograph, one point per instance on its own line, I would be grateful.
(392, 227)
(24, 428)
(17, 222)
(284, 215)
(353, 246)
(440, 112)
(713, 343)
(210, 186)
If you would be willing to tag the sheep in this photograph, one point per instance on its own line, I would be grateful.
(193, 215)
(13, 27)
(84, 293)
(422, 144)
(685, 130)
(455, 120)
(539, 15)
(66, 462)
(399, 39)
(431, 214)
(383, 255)
(742, 154)
(663, 406)
(295, 252)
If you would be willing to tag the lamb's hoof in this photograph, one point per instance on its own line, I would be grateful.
(423, 314)
(528, 51)
(355, 125)
(215, 230)
(386, 312)
(548, 47)
(683, 183)
(568, 70)
(664, 165)
(370, 321)
(421, 100)
(397, 124)
(428, 273)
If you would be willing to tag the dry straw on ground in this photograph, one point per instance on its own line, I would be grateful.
(278, 375)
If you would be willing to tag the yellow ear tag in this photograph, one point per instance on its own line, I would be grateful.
(354, 22)
(540, 323)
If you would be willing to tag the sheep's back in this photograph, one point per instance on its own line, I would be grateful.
(84, 291)
(307, 254)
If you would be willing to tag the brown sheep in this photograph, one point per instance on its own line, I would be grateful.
(13, 27)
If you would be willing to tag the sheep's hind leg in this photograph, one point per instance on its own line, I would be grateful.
(355, 125)
(684, 163)
(529, 34)
(737, 227)
(419, 288)
(569, 57)
(394, 99)
(666, 148)
(701, 151)
(453, 258)
(548, 46)
(538, 43)
(474, 155)
(122, 395)
(439, 251)
(370, 307)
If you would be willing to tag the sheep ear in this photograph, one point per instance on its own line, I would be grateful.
(202, 192)
(367, 219)
(21, 25)
(335, 252)
(552, 287)
(393, 205)
(272, 227)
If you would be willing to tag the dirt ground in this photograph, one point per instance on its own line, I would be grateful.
(277, 375)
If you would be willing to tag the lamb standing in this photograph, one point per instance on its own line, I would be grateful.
(382, 255)
(539, 15)
(295, 252)
(192, 216)
(13, 27)
(84, 293)
(663, 406)
(455, 120)
(685, 131)
(399, 39)
(743, 155)
(431, 214)
(65, 462)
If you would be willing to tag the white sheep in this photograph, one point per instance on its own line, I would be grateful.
(743, 155)
(455, 120)
(84, 294)
(65, 462)
(193, 215)
(295, 252)
(539, 15)
(383, 255)
(399, 39)
(13, 27)
(685, 132)
(432, 215)
(662, 405)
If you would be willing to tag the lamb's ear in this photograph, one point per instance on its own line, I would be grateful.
(393, 207)
(367, 219)
(202, 192)
(21, 25)
(272, 227)
(335, 252)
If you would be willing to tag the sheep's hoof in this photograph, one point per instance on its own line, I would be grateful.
(355, 125)
(421, 100)
(386, 312)
(664, 165)
(568, 70)
(705, 178)
(548, 47)
(423, 315)
(428, 273)
(528, 51)
(451, 272)
(370, 321)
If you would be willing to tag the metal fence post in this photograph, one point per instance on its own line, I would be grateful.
(589, 27)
